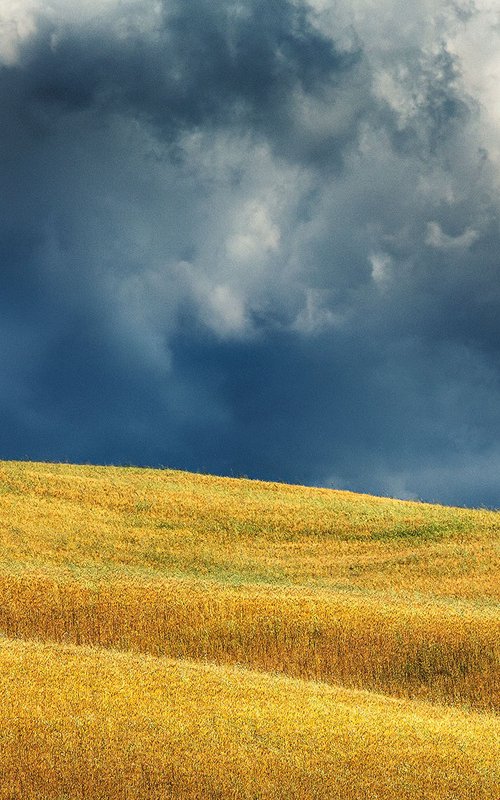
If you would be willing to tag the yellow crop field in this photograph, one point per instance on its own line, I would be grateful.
(175, 635)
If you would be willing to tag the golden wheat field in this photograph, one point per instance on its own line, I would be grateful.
(174, 635)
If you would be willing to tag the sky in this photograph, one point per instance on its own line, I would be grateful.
(254, 237)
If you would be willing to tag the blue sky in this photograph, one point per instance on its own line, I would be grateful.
(254, 238)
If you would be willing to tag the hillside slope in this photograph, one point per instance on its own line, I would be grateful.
(101, 724)
(135, 571)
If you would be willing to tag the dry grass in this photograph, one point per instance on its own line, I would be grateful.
(98, 724)
(334, 586)
(419, 650)
(366, 592)
(147, 522)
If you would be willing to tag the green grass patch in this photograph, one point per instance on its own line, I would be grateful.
(423, 532)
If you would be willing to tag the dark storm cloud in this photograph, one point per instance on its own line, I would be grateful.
(204, 65)
(251, 238)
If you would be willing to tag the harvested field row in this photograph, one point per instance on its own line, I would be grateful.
(429, 651)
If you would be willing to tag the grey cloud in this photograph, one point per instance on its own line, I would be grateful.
(205, 65)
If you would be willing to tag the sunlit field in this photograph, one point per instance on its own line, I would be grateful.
(170, 635)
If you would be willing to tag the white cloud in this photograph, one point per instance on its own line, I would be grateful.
(17, 24)
(225, 311)
(381, 266)
(315, 316)
(476, 45)
(442, 241)
(19, 19)
(257, 235)
(220, 307)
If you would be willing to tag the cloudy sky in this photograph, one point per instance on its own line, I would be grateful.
(254, 237)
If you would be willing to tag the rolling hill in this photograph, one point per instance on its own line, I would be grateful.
(175, 635)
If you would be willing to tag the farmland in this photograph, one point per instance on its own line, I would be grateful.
(175, 635)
